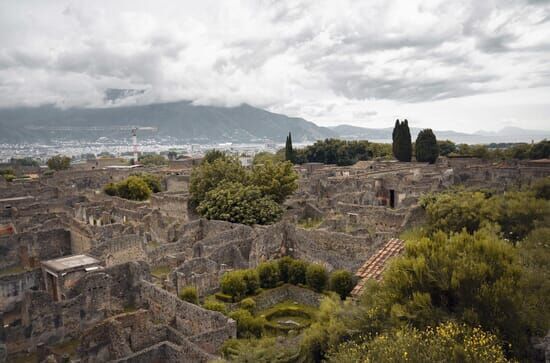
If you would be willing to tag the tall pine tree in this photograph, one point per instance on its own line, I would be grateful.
(289, 151)
(402, 144)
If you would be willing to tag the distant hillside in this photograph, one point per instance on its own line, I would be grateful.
(177, 121)
(509, 134)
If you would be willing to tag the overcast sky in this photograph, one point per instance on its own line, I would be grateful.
(461, 65)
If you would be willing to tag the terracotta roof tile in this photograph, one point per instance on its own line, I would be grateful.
(376, 264)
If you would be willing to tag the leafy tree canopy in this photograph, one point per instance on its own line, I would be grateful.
(59, 162)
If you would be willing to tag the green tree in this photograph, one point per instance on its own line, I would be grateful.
(209, 175)
(152, 160)
(446, 147)
(190, 295)
(152, 181)
(289, 151)
(453, 211)
(540, 150)
(269, 274)
(275, 180)
(251, 280)
(133, 188)
(264, 156)
(426, 147)
(472, 278)
(284, 267)
(297, 272)
(402, 144)
(341, 282)
(234, 202)
(212, 155)
(316, 277)
(59, 162)
(232, 283)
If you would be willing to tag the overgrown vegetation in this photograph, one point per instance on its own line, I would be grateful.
(341, 152)
(471, 287)
(135, 187)
(221, 188)
(59, 162)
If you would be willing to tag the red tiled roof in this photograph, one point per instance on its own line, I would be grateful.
(376, 264)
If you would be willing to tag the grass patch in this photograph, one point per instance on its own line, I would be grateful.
(69, 347)
(160, 272)
(287, 316)
(310, 223)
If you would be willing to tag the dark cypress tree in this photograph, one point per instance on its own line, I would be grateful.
(406, 142)
(289, 152)
(402, 145)
(394, 137)
(427, 149)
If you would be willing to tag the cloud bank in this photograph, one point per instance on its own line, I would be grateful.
(360, 62)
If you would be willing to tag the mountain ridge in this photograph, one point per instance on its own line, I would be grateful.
(182, 121)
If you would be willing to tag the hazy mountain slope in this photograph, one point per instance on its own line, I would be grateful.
(509, 134)
(180, 121)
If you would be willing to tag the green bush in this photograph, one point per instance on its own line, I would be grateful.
(297, 272)
(284, 264)
(248, 304)
(190, 295)
(541, 188)
(232, 283)
(238, 203)
(316, 277)
(9, 177)
(251, 280)
(449, 342)
(269, 274)
(59, 162)
(133, 188)
(215, 306)
(247, 325)
(341, 282)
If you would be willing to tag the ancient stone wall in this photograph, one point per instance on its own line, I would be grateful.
(287, 292)
(185, 317)
(13, 286)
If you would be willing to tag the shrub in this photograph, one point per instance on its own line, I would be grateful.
(341, 282)
(111, 189)
(215, 306)
(541, 188)
(297, 272)
(59, 162)
(449, 342)
(251, 280)
(248, 304)
(190, 295)
(233, 284)
(133, 188)
(316, 277)
(247, 325)
(238, 203)
(284, 268)
(269, 274)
